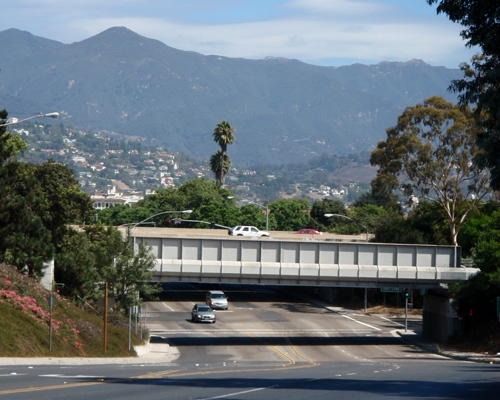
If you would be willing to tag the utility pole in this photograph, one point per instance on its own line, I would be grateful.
(105, 315)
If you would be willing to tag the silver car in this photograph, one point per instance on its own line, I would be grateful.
(202, 313)
(216, 299)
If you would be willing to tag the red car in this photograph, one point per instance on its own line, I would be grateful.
(309, 232)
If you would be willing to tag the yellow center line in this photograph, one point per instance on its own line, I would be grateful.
(40, 388)
(297, 353)
(178, 372)
(290, 359)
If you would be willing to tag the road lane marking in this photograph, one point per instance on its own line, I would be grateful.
(290, 359)
(170, 308)
(238, 393)
(385, 351)
(362, 323)
(322, 331)
(42, 388)
(296, 352)
(71, 376)
(392, 322)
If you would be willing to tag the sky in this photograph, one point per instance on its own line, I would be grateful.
(320, 32)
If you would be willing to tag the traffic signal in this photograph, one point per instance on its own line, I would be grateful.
(170, 223)
(406, 293)
(212, 224)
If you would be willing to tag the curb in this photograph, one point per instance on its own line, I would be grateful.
(435, 348)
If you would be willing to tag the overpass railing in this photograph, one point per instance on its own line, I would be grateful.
(314, 263)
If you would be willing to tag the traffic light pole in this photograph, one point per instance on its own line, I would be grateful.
(406, 313)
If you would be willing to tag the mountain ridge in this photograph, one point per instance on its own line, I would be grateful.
(282, 109)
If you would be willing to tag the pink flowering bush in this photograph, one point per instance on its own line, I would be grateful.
(26, 314)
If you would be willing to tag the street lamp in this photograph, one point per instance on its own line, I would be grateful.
(258, 205)
(164, 212)
(353, 220)
(50, 115)
(267, 213)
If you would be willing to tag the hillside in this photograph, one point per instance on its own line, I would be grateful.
(283, 110)
(24, 324)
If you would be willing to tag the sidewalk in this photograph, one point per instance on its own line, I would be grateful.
(414, 337)
(154, 352)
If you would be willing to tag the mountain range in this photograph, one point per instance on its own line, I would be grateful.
(283, 110)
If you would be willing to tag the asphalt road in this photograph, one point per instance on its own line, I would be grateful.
(268, 345)
(146, 231)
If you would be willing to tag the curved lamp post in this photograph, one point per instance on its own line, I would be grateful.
(258, 205)
(353, 220)
(50, 115)
(130, 226)
(267, 213)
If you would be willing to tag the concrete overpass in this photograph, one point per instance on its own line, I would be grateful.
(202, 255)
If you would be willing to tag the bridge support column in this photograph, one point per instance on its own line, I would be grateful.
(439, 321)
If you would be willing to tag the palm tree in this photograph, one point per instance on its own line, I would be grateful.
(220, 163)
(216, 161)
(224, 135)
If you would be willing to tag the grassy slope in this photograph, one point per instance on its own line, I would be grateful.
(24, 324)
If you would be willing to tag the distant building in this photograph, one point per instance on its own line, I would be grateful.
(113, 198)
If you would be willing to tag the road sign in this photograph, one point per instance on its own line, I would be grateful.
(52, 300)
(390, 290)
(178, 221)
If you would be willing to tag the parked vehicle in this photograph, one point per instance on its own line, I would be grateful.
(217, 300)
(308, 232)
(247, 231)
(202, 313)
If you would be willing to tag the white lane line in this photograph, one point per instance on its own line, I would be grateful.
(13, 374)
(170, 308)
(69, 376)
(385, 351)
(440, 356)
(362, 323)
(238, 393)
(392, 322)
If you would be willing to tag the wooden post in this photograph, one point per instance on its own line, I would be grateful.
(105, 315)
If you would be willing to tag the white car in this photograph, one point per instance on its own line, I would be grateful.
(247, 231)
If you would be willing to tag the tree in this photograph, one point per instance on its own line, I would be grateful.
(128, 274)
(192, 195)
(132, 276)
(326, 206)
(123, 214)
(430, 154)
(426, 224)
(65, 201)
(221, 213)
(290, 214)
(481, 84)
(75, 266)
(220, 163)
(24, 240)
(218, 160)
